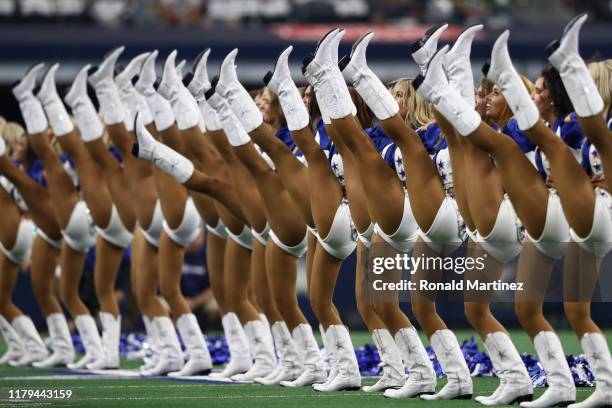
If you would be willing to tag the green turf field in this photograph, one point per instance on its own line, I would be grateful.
(135, 392)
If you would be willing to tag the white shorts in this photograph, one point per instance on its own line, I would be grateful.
(554, 237)
(153, 233)
(366, 236)
(504, 242)
(447, 232)
(80, 233)
(473, 235)
(22, 248)
(55, 243)
(263, 236)
(244, 239)
(599, 240)
(218, 230)
(115, 232)
(188, 229)
(340, 241)
(405, 235)
(298, 250)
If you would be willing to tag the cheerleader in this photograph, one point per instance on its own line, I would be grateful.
(119, 102)
(92, 163)
(29, 192)
(593, 234)
(71, 213)
(585, 209)
(330, 86)
(242, 256)
(236, 254)
(326, 211)
(24, 345)
(279, 261)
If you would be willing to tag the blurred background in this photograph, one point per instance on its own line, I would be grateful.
(76, 32)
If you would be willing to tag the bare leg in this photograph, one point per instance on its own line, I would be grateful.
(262, 282)
(237, 273)
(42, 266)
(520, 179)
(322, 284)
(146, 274)
(8, 279)
(108, 261)
(423, 183)
(170, 266)
(384, 192)
(215, 250)
(573, 185)
(71, 264)
(282, 274)
(365, 306)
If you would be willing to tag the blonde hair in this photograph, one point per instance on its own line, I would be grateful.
(12, 132)
(507, 113)
(601, 72)
(419, 112)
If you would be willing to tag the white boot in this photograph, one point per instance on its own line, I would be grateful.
(314, 371)
(575, 75)
(31, 109)
(15, 349)
(200, 81)
(238, 98)
(83, 110)
(561, 389)
(330, 87)
(111, 106)
(502, 72)
(111, 333)
(421, 375)
(367, 84)
(238, 345)
(448, 351)
(184, 107)
(61, 343)
(424, 48)
(328, 357)
(152, 340)
(51, 102)
(394, 375)
(291, 363)
(129, 96)
(262, 350)
(234, 131)
(597, 354)
(279, 81)
(169, 161)
(434, 88)
(160, 108)
(348, 377)
(33, 347)
(90, 337)
(502, 380)
(170, 354)
(516, 385)
(458, 66)
(199, 362)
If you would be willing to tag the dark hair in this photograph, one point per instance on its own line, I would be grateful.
(276, 110)
(255, 92)
(486, 85)
(364, 114)
(558, 95)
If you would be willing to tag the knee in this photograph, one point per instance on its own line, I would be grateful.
(169, 290)
(321, 305)
(387, 311)
(423, 310)
(476, 313)
(69, 295)
(527, 313)
(104, 290)
(577, 313)
(367, 312)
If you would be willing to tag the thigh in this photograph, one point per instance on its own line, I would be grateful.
(533, 271)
